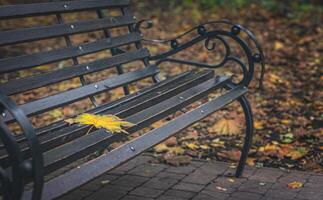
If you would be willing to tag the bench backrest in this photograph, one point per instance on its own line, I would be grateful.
(108, 17)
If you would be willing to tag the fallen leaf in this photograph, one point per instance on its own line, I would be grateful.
(232, 154)
(231, 180)
(250, 161)
(176, 150)
(177, 160)
(258, 125)
(204, 146)
(286, 121)
(287, 138)
(297, 153)
(221, 188)
(217, 143)
(278, 45)
(225, 127)
(109, 122)
(160, 148)
(294, 185)
(191, 135)
(172, 141)
(191, 146)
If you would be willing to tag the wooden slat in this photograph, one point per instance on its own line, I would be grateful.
(11, 11)
(70, 96)
(32, 82)
(41, 58)
(45, 32)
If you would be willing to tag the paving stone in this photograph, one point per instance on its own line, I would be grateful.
(215, 187)
(246, 196)
(170, 175)
(229, 181)
(147, 170)
(247, 172)
(146, 192)
(255, 186)
(316, 178)
(130, 181)
(188, 187)
(76, 195)
(124, 168)
(266, 175)
(133, 197)
(109, 192)
(280, 194)
(180, 194)
(97, 183)
(181, 169)
(310, 194)
(214, 194)
(206, 173)
(293, 176)
(165, 197)
(162, 183)
(313, 186)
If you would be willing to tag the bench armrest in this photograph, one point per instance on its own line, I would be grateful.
(22, 169)
(209, 35)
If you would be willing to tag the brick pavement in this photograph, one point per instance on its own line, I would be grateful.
(139, 179)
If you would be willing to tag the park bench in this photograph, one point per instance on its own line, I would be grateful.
(26, 159)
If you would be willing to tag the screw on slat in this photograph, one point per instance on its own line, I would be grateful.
(80, 48)
(87, 68)
(65, 6)
(132, 149)
(72, 26)
(3, 114)
(202, 111)
(134, 17)
(96, 86)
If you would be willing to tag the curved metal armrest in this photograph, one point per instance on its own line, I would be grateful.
(254, 55)
(23, 169)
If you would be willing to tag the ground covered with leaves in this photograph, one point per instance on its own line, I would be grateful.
(288, 112)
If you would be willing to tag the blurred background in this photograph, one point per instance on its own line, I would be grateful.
(288, 111)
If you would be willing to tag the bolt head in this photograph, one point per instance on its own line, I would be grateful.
(65, 6)
(87, 68)
(257, 57)
(3, 114)
(72, 26)
(174, 44)
(235, 29)
(96, 86)
(201, 30)
(132, 149)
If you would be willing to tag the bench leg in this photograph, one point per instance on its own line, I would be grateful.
(249, 133)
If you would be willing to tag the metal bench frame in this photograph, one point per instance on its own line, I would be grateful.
(29, 157)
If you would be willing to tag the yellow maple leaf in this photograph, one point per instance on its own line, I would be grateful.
(278, 45)
(258, 125)
(192, 146)
(109, 122)
(225, 127)
(295, 185)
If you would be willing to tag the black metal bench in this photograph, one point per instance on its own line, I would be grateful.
(29, 157)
